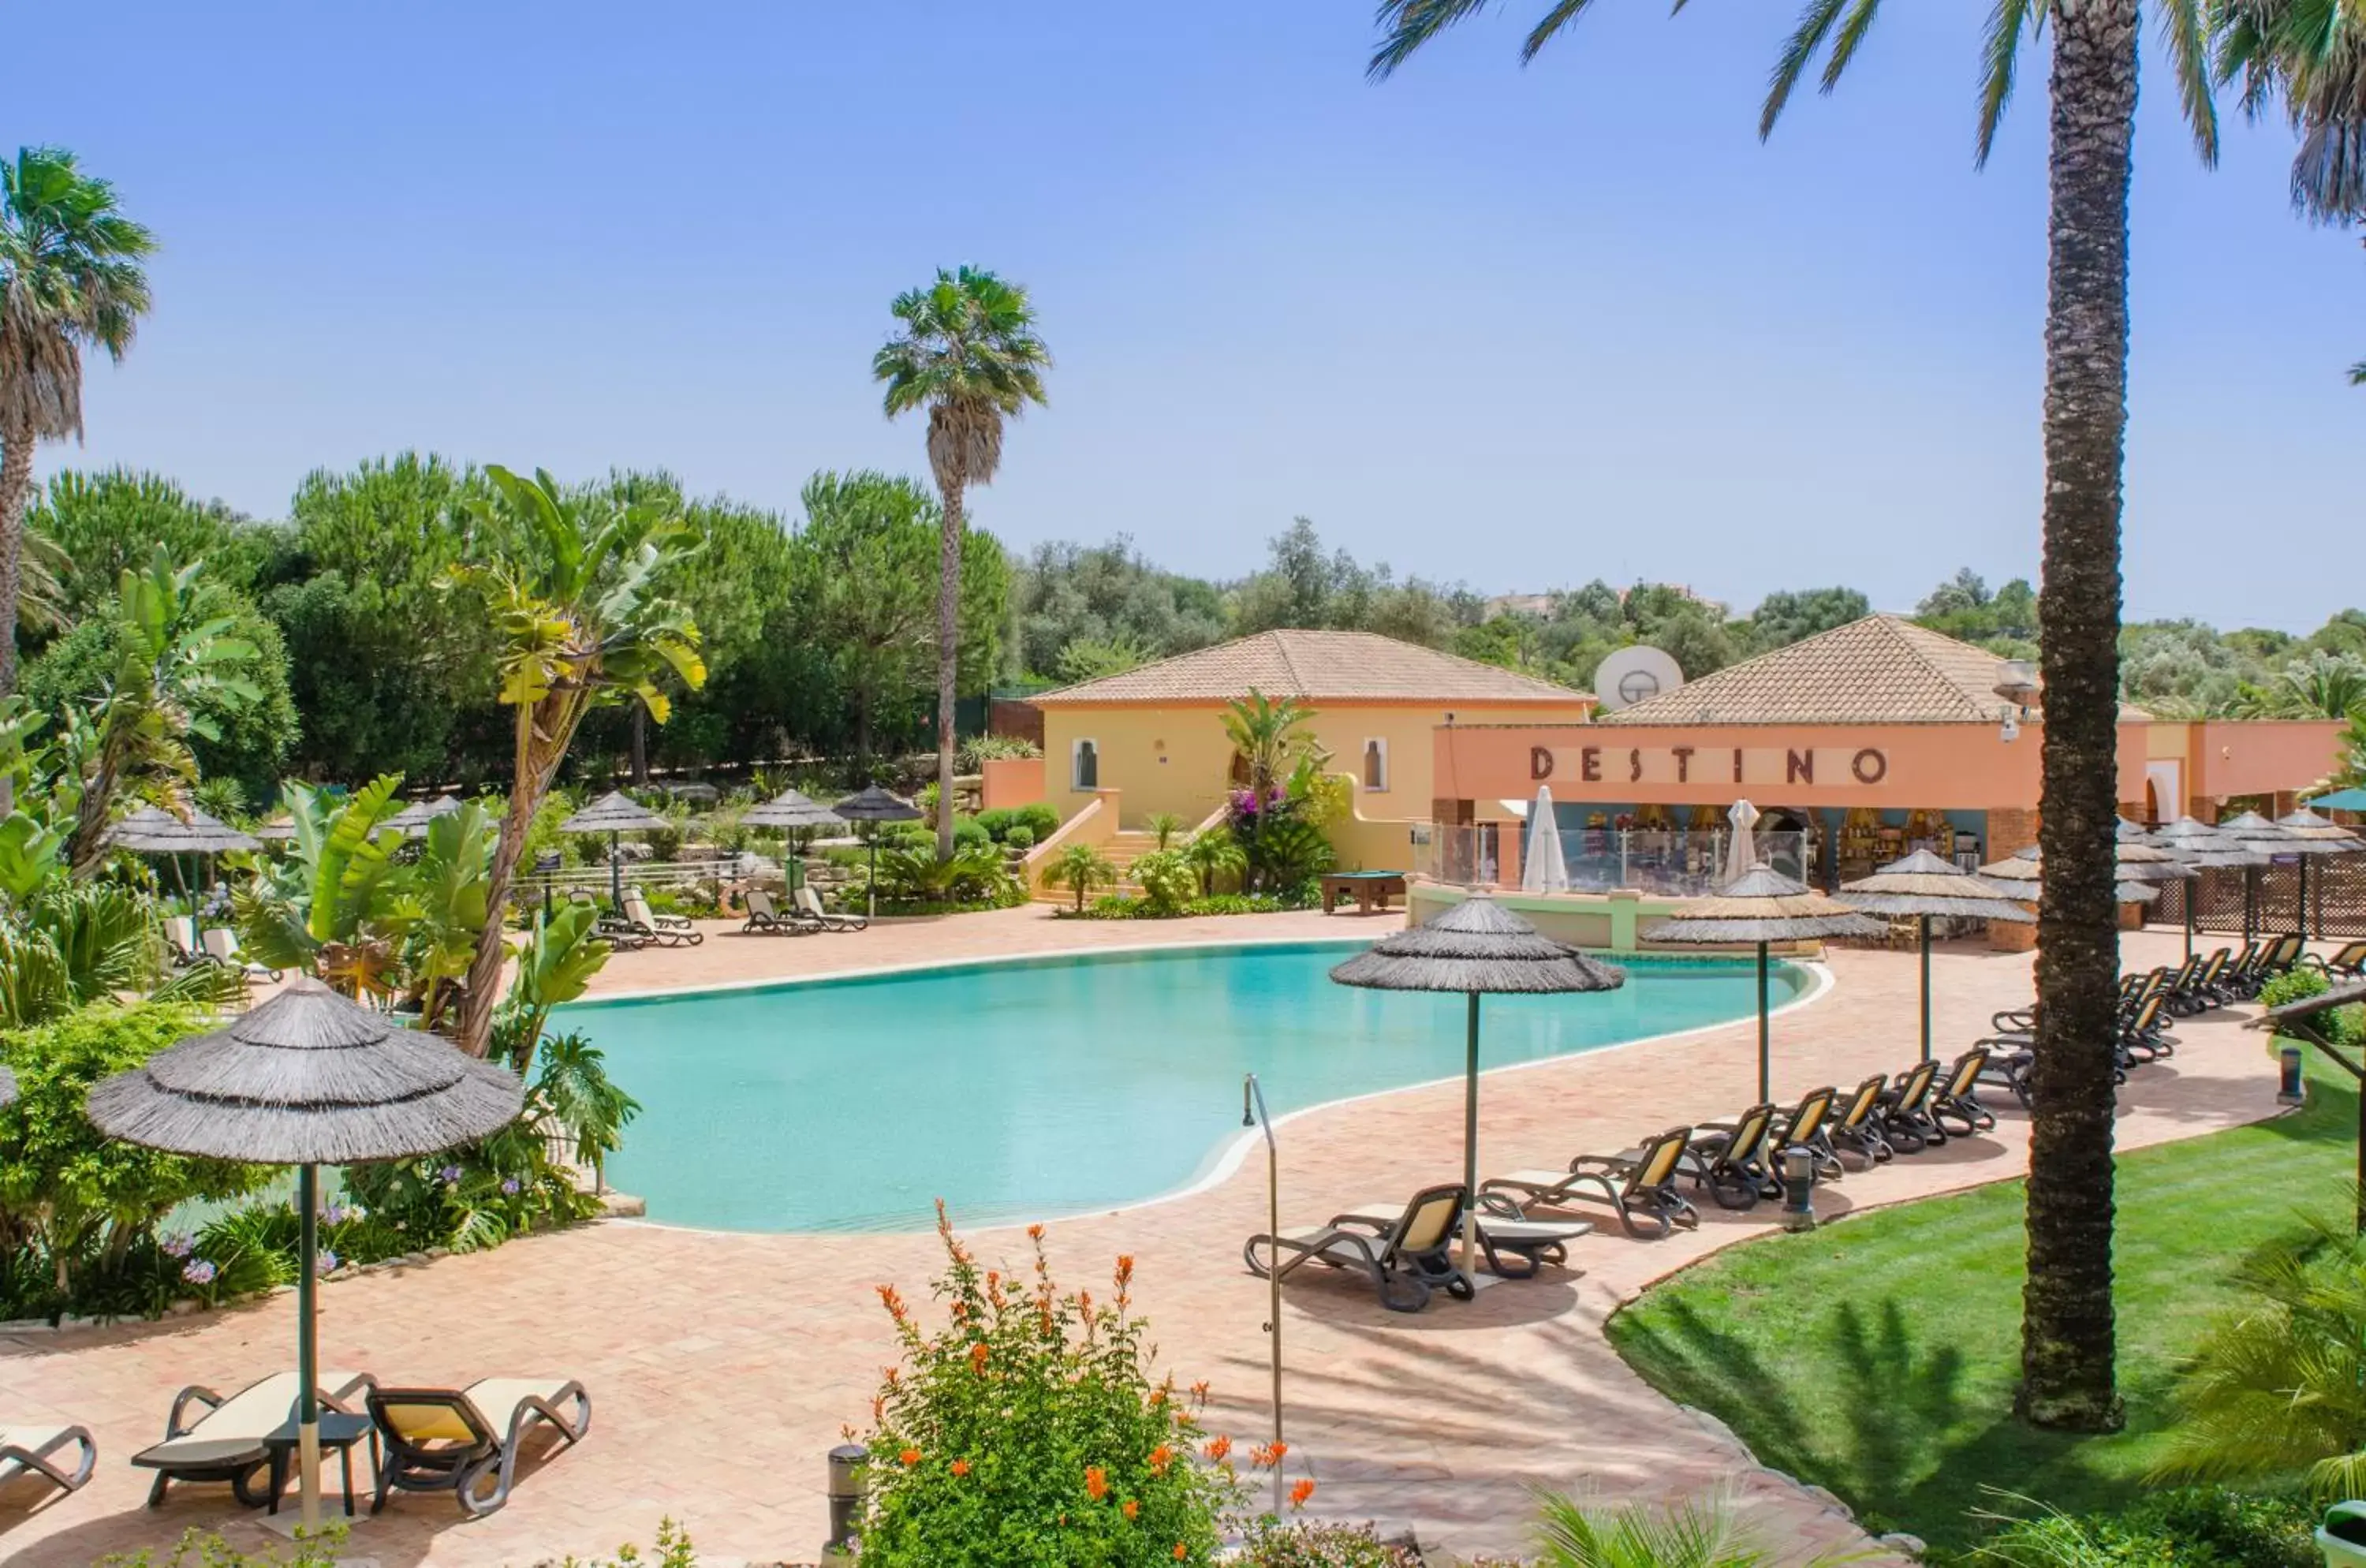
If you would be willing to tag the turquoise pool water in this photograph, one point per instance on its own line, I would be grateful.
(1029, 1089)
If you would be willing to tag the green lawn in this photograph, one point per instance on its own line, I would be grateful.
(1877, 1356)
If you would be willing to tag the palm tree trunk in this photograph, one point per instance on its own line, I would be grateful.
(949, 562)
(2067, 1337)
(544, 732)
(641, 746)
(16, 496)
(86, 851)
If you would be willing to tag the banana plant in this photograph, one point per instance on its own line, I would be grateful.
(167, 657)
(337, 905)
(450, 884)
(555, 965)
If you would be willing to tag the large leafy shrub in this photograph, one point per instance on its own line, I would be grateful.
(1166, 880)
(1038, 818)
(975, 876)
(1029, 1427)
(85, 1204)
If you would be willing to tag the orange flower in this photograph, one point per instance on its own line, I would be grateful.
(977, 1355)
(895, 1301)
(1217, 1449)
(1096, 1482)
(1124, 1270)
(911, 1457)
(1034, 1233)
(1302, 1492)
(878, 1408)
(1157, 1397)
(1265, 1456)
(1160, 1457)
(1199, 1391)
(960, 1467)
(1132, 1510)
(1181, 1551)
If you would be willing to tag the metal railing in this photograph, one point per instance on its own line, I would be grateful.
(1670, 863)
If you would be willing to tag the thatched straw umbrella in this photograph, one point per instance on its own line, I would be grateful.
(2205, 848)
(875, 805)
(796, 813)
(1922, 886)
(614, 813)
(280, 829)
(150, 831)
(1762, 907)
(1478, 948)
(2264, 839)
(2305, 1020)
(307, 1079)
(2313, 835)
(412, 819)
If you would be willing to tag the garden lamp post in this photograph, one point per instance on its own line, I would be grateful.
(308, 1079)
(1252, 1113)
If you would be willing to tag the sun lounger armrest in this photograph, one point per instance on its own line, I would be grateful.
(1584, 1165)
(197, 1393)
(1502, 1206)
(342, 1397)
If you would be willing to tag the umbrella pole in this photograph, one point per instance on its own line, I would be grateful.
(615, 877)
(1925, 923)
(2302, 900)
(1766, 1087)
(1471, 1150)
(2250, 883)
(870, 893)
(2188, 893)
(307, 1369)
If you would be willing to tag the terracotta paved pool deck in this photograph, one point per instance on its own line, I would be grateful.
(723, 1366)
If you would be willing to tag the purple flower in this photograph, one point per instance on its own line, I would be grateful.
(197, 1271)
(326, 1261)
(510, 1185)
(449, 1176)
(332, 1215)
(178, 1245)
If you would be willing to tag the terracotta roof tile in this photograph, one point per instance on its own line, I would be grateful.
(1318, 666)
(1880, 670)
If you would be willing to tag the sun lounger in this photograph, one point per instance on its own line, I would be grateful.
(442, 1440)
(26, 1450)
(225, 1441)
(1731, 1158)
(1954, 1096)
(1804, 1128)
(1856, 1127)
(808, 906)
(763, 915)
(1406, 1262)
(2349, 963)
(221, 945)
(1639, 1183)
(667, 931)
(1515, 1248)
(180, 936)
(1905, 1119)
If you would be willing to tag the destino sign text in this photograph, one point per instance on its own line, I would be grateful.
(1748, 766)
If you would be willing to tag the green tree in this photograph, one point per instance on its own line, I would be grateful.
(175, 665)
(1082, 868)
(2068, 1331)
(967, 352)
(70, 280)
(107, 522)
(1111, 601)
(1269, 737)
(570, 589)
(1782, 619)
(1213, 854)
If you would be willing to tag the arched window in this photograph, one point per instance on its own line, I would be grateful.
(1376, 765)
(1084, 765)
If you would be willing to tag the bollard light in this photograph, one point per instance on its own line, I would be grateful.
(2293, 1090)
(1798, 1189)
(845, 1490)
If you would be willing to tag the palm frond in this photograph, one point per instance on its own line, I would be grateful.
(2185, 29)
(2009, 22)
(1799, 51)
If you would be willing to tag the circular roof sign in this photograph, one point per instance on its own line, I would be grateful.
(1635, 675)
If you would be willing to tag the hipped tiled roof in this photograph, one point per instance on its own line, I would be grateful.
(1880, 670)
(1318, 666)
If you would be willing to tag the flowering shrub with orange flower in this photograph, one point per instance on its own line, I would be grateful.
(1030, 1427)
(1303, 1545)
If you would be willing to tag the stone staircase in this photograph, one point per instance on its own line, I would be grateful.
(1121, 851)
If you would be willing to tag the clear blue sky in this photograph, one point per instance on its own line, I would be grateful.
(1516, 327)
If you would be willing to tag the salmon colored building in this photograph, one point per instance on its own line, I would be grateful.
(1862, 743)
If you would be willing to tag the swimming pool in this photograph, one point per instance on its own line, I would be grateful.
(1027, 1088)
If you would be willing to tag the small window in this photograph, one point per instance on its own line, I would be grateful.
(1084, 765)
(1376, 765)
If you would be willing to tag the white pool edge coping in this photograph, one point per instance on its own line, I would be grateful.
(1228, 1159)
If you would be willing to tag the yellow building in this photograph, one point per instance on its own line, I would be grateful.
(1155, 737)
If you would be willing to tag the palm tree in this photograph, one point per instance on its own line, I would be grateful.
(170, 660)
(1166, 825)
(70, 279)
(1213, 854)
(2068, 1343)
(1083, 868)
(1269, 737)
(578, 626)
(968, 354)
(2311, 56)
